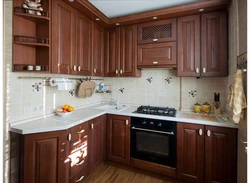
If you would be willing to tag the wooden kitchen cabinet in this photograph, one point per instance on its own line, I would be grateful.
(63, 37)
(118, 139)
(157, 31)
(121, 52)
(206, 153)
(97, 50)
(96, 142)
(202, 45)
(40, 157)
(31, 38)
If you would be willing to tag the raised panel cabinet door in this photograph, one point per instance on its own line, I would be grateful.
(97, 142)
(97, 50)
(83, 65)
(128, 61)
(189, 46)
(118, 139)
(157, 55)
(112, 52)
(220, 155)
(190, 152)
(63, 37)
(44, 156)
(214, 44)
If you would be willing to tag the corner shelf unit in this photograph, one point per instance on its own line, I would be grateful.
(31, 38)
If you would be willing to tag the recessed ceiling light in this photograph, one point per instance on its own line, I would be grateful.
(97, 19)
(154, 18)
(117, 23)
(71, 0)
(201, 9)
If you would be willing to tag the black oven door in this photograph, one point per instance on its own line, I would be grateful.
(153, 146)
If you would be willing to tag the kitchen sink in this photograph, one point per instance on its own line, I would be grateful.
(108, 107)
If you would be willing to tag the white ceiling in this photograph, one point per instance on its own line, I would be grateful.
(117, 8)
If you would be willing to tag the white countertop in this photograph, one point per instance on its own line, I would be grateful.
(56, 123)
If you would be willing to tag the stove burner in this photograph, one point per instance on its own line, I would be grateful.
(160, 111)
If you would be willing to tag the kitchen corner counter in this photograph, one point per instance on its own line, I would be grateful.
(56, 123)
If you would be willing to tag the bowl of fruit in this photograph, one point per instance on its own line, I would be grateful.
(66, 110)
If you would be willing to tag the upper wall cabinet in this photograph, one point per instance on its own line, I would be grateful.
(157, 44)
(121, 51)
(202, 45)
(159, 31)
(31, 38)
(97, 50)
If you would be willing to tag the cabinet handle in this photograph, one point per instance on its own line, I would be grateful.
(208, 133)
(204, 70)
(197, 70)
(82, 131)
(155, 40)
(155, 62)
(80, 163)
(69, 137)
(79, 68)
(120, 71)
(126, 122)
(116, 71)
(200, 132)
(80, 179)
(68, 68)
(92, 126)
(94, 70)
(58, 68)
(74, 68)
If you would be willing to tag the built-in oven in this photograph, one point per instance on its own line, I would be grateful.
(153, 140)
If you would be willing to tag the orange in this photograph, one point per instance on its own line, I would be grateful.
(66, 106)
(70, 109)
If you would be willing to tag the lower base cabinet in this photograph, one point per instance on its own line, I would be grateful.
(206, 153)
(118, 139)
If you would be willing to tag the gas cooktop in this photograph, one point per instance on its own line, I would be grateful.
(159, 111)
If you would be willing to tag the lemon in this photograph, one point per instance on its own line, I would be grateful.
(70, 109)
(66, 106)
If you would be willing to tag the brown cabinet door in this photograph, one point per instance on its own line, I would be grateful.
(97, 142)
(189, 46)
(118, 139)
(63, 37)
(157, 55)
(83, 65)
(112, 52)
(190, 152)
(157, 31)
(128, 61)
(220, 155)
(44, 156)
(214, 44)
(97, 50)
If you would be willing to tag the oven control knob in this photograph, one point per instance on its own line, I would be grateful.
(144, 122)
(159, 124)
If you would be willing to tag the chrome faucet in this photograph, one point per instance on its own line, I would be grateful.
(113, 101)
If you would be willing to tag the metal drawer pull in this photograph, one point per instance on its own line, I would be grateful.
(82, 177)
(94, 70)
(208, 133)
(79, 68)
(74, 68)
(80, 163)
(155, 62)
(200, 132)
(197, 70)
(155, 39)
(92, 126)
(126, 122)
(147, 130)
(244, 142)
(120, 71)
(116, 71)
(82, 131)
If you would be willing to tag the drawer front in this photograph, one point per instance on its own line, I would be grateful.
(79, 131)
(80, 176)
(78, 155)
(158, 31)
(157, 55)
